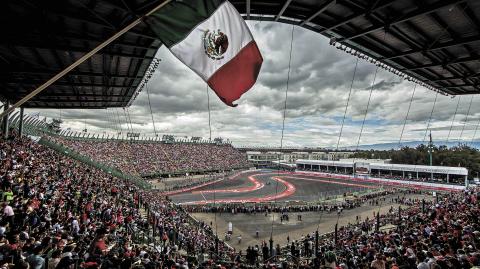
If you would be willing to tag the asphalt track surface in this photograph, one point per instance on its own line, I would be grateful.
(269, 186)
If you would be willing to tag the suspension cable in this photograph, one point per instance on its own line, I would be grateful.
(380, 203)
(366, 110)
(399, 148)
(119, 121)
(466, 119)
(283, 126)
(129, 119)
(126, 121)
(364, 117)
(430, 118)
(109, 123)
(151, 111)
(369, 99)
(453, 120)
(116, 115)
(85, 125)
(403, 129)
(209, 116)
(475, 133)
(115, 123)
(346, 105)
(341, 131)
(406, 116)
(431, 113)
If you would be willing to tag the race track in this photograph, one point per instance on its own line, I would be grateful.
(268, 186)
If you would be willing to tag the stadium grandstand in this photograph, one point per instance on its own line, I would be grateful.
(159, 158)
(80, 201)
(386, 171)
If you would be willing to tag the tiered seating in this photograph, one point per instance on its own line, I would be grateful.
(58, 213)
(151, 157)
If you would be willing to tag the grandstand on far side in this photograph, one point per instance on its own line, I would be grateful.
(157, 158)
(388, 171)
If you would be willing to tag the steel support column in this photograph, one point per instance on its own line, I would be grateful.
(20, 124)
(5, 120)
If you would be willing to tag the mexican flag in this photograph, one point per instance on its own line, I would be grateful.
(211, 38)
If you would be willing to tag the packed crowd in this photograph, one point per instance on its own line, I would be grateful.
(146, 158)
(426, 235)
(443, 235)
(349, 202)
(182, 233)
(58, 213)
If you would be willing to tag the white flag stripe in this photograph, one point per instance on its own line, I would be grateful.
(191, 50)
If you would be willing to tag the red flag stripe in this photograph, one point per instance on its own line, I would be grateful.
(238, 75)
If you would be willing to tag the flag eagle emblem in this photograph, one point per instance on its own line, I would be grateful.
(215, 44)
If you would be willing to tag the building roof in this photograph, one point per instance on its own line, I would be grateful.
(326, 163)
(434, 41)
(363, 160)
(421, 168)
(291, 165)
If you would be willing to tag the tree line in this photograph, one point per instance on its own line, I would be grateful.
(461, 155)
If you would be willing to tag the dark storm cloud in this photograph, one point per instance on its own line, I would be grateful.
(278, 80)
(384, 85)
(320, 79)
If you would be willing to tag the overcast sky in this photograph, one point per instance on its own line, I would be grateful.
(320, 81)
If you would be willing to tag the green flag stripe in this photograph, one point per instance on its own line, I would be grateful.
(177, 19)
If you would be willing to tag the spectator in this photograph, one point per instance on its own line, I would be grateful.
(66, 212)
(149, 158)
(330, 258)
(378, 263)
(69, 213)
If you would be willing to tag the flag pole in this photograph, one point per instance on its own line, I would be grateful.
(82, 59)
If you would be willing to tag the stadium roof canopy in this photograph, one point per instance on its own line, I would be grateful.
(41, 38)
(434, 41)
